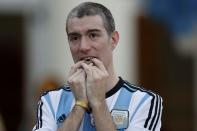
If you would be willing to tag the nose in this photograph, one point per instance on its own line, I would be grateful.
(84, 45)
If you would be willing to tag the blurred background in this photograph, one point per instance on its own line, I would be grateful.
(157, 50)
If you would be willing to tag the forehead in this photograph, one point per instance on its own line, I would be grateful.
(85, 23)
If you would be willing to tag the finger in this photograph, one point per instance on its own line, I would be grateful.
(99, 64)
(91, 64)
(75, 67)
(96, 72)
(75, 75)
(100, 72)
(87, 69)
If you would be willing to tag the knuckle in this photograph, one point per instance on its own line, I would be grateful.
(99, 62)
(97, 78)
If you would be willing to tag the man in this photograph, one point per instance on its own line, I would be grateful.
(96, 98)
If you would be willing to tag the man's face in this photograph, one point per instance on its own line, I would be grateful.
(88, 37)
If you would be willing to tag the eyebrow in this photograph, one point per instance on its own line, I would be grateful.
(78, 34)
(94, 30)
(73, 34)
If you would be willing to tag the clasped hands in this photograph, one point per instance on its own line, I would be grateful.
(88, 81)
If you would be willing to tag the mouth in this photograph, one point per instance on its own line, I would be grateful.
(88, 59)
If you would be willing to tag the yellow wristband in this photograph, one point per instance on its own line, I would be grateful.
(83, 104)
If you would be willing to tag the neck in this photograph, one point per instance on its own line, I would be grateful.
(112, 80)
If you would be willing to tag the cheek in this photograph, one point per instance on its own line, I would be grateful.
(106, 53)
(74, 56)
(73, 49)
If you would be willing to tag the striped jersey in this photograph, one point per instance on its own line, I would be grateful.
(132, 109)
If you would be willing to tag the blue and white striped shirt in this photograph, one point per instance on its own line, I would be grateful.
(144, 108)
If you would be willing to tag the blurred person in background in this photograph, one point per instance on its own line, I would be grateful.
(95, 97)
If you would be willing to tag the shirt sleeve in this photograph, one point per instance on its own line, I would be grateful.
(45, 119)
(148, 116)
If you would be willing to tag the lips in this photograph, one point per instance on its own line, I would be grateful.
(88, 59)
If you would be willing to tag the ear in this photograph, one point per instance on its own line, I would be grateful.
(114, 39)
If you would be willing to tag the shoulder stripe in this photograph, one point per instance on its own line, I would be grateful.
(155, 113)
(37, 119)
(134, 87)
(159, 114)
(150, 112)
(39, 115)
(155, 105)
(129, 88)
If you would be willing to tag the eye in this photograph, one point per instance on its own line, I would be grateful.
(73, 38)
(93, 35)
